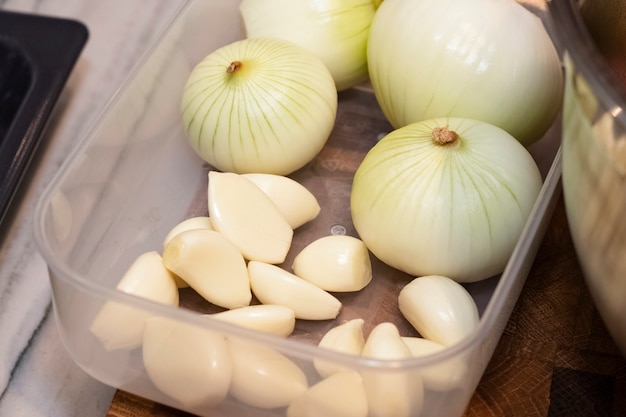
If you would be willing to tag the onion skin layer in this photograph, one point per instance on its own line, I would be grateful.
(271, 112)
(455, 210)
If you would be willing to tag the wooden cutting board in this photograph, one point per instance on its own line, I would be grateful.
(555, 357)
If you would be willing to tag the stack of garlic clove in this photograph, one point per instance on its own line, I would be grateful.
(294, 201)
(119, 326)
(243, 213)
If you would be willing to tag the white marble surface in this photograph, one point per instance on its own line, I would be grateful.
(37, 377)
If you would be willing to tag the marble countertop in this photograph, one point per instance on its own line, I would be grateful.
(37, 376)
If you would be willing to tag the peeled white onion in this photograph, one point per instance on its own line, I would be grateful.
(490, 60)
(335, 31)
(259, 105)
(455, 209)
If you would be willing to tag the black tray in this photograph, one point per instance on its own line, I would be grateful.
(37, 54)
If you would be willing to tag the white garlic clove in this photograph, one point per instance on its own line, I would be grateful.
(275, 319)
(294, 201)
(420, 347)
(336, 263)
(263, 377)
(199, 222)
(247, 217)
(274, 285)
(443, 376)
(346, 338)
(119, 326)
(391, 393)
(339, 395)
(188, 363)
(192, 223)
(211, 265)
(439, 308)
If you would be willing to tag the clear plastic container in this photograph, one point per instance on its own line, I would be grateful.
(133, 177)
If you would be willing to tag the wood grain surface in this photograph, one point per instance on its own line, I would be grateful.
(555, 357)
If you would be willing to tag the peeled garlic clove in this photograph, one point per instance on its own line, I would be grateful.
(336, 263)
(273, 285)
(247, 217)
(119, 326)
(199, 222)
(347, 338)
(422, 347)
(186, 362)
(439, 308)
(391, 393)
(275, 319)
(262, 376)
(294, 201)
(339, 395)
(443, 376)
(211, 265)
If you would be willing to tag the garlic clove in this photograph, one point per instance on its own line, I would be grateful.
(199, 222)
(274, 285)
(339, 395)
(119, 326)
(294, 201)
(391, 393)
(186, 362)
(347, 338)
(443, 376)
(243, 213)
(275, 319)
(263, 377)
(211, 265)
(420, 347)
(439, 308)
(337, 263)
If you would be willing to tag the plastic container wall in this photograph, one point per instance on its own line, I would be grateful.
(134, 177)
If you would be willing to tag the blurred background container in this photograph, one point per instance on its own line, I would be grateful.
(593, 36)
